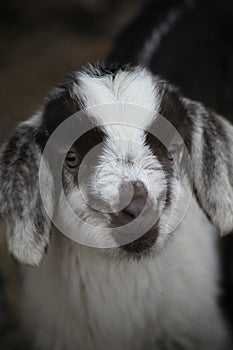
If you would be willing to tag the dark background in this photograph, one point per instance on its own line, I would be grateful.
(40, 42)
(43, 40)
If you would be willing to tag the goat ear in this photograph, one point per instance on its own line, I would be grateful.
(21, 207)
(211, 148)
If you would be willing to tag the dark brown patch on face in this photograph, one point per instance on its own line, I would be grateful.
(172, 108)
(161, 152)
(60, 104)
(143, 244)
(89, 140)
(83, 146)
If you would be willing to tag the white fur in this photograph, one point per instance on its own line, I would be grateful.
(85, 299)
(130, 98)
(130, 87)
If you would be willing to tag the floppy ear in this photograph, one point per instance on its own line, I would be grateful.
(211, 148)
(21, 207)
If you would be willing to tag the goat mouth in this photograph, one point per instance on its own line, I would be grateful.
(132, 239)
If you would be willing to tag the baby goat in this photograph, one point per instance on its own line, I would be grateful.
(156, 291)
(99, 183)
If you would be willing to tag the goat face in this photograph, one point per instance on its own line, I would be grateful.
(120, 173)
(114, 143)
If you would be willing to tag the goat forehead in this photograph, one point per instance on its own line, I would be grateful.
(126, 151)
(128, 97)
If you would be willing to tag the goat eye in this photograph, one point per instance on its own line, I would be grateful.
(72, 160)
(171, 152)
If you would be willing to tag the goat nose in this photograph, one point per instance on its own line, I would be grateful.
(138, 201)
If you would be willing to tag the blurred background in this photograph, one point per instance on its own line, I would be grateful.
(41, 41)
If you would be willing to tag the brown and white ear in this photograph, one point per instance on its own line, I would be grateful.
(211, 147)
(21, 207)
